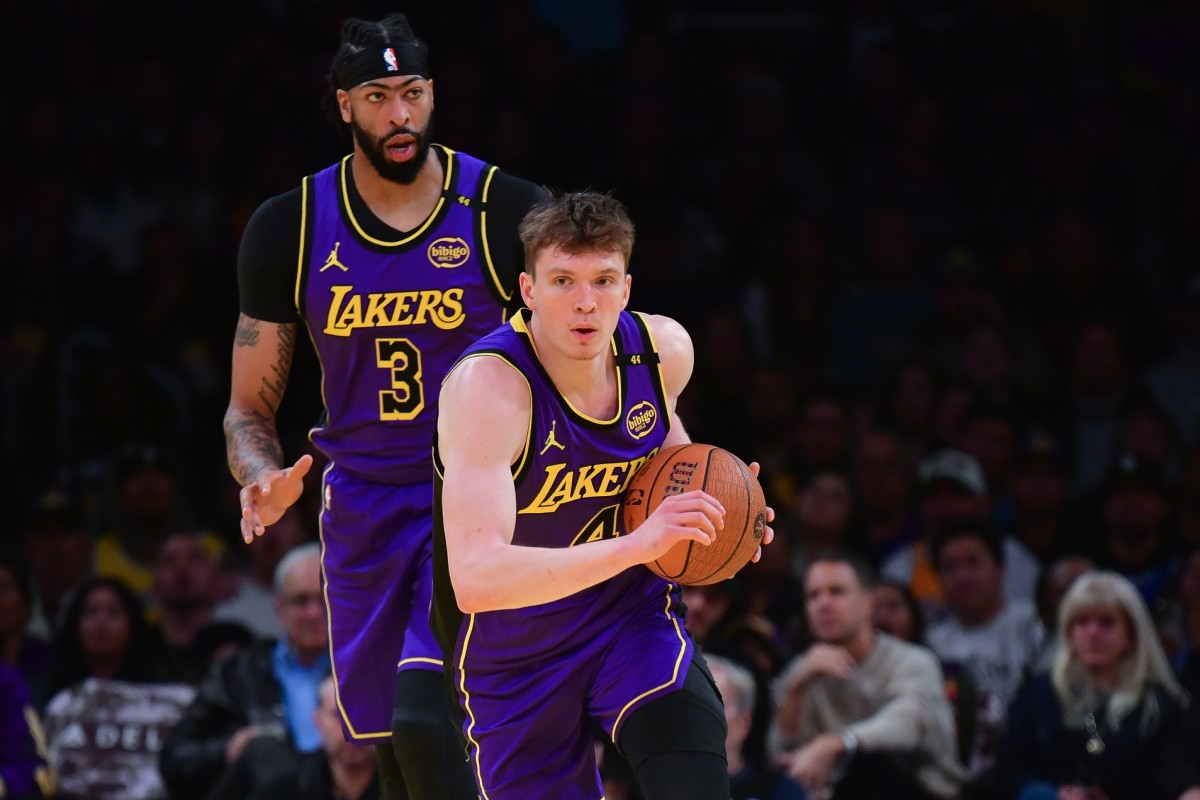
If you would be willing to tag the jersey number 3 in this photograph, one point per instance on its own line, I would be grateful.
(406, 398)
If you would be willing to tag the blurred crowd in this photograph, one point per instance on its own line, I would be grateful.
(938, 258)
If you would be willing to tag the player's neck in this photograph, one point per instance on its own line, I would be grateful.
(590, 385)
(400, 206)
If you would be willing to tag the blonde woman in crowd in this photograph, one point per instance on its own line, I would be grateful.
(1092, 726)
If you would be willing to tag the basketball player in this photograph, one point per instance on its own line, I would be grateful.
(544, 610)
(394, 259)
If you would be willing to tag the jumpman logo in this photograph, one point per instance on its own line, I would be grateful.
(332, 260)
(551, 441)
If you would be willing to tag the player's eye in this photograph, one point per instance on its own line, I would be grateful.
(374, 97)
(415, 92)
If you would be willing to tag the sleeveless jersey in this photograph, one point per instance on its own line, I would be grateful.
(569, 485)
(389, 318)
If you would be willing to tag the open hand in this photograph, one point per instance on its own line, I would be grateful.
(271, 493)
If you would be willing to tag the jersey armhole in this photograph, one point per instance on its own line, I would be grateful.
(660, 383)
(489, 265)
(522, 464)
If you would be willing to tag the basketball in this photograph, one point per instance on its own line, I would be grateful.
(723, 475)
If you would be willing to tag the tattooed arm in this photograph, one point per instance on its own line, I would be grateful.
(262, 359)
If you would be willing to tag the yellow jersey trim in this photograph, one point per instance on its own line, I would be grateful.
(424, 226)
(462, 688)
(520, 462)
(337, 692)
(518, 324)
(674, 672)
(300, 249)
(662, 381)
(487, 250)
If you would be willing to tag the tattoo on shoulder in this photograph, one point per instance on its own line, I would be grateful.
(246, 334)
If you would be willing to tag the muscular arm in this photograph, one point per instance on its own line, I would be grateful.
(262, 359)
(482, 423)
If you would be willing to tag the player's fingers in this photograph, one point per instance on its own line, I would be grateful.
(770, 514)
(701, 501)
(755, 468)
(768, 535)
(301, 467)
(757, 554)
(698, 535)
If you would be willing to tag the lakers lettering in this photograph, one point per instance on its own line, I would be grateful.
(347, 313)
(561, 485)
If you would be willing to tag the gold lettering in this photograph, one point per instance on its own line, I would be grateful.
(429, 302)
(388, 309)
(592, 480)
(376, 316)
(450, 315)
(551, 473)
(339, 293)
(400, 315)
(351, 316)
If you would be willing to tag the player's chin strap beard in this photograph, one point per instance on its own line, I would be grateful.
(382, 61)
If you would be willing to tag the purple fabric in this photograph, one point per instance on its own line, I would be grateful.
(20, 763)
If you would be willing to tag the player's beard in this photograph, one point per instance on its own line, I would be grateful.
(401, 172)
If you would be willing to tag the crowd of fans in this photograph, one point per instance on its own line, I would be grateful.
(939, 263)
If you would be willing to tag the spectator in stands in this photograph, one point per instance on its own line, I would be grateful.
(60, 553)
(253, 714)
(1135, 537)
(33, 657)
(339, 770)
(105, 635)
(183, 597)
(994, 639)
(1094, 725)
(861, 713)
(1052, 586)
(148, 503)
(105, 726)
(953, 488)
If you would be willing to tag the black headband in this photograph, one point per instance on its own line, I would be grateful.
(382, 61)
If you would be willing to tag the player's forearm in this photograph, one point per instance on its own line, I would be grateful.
(511, 576)
(251, 444)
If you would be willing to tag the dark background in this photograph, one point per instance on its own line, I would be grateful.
(825, 191)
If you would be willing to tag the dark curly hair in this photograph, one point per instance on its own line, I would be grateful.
(357, 35)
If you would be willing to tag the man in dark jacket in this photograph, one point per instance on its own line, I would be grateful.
(253, 714)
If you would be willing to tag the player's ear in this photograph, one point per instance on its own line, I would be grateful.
(343, 101)
(628, 284)
(527, 289)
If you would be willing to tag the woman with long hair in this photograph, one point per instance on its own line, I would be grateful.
(105, 635)
(1090, 727)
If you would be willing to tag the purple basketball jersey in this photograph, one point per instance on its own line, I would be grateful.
(528, 679)
(389, 318)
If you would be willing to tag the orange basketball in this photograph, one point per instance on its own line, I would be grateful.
(723, 475)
